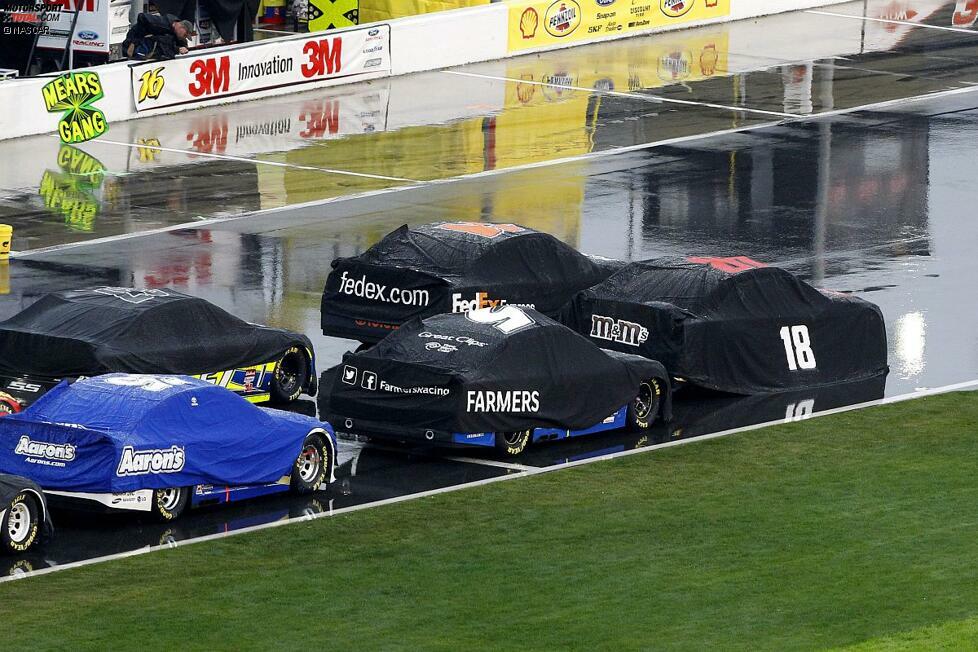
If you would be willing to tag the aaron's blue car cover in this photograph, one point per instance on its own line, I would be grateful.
(125, 432)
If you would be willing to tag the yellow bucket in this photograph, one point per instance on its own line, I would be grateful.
(4, 277)
(6, 235)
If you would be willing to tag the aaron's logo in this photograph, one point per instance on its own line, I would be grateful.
(73, 93)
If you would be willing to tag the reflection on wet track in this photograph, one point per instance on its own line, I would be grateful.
(875, 201)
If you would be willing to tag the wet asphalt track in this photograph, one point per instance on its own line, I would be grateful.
(784, 139)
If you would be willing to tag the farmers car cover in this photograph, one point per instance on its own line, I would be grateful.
(733, 324)
(122, 432)
(491, 370)
(99, 330)
(452, 267)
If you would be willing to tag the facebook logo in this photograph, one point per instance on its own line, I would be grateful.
(369, 380)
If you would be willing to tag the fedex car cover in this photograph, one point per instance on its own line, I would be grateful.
(452, 267)
(122, 432)
(100, 330)
(491, 370)
(733, 324)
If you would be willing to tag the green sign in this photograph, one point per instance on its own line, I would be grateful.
(74, 93)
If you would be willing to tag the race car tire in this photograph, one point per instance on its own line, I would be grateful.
(311, 466)
(291, 373)
(8, 404)
(170, 503)
(513, 443)
(21, 525)
(644, 408)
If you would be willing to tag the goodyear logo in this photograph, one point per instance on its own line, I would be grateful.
(562, 18)
(676, 8)
(73, 93)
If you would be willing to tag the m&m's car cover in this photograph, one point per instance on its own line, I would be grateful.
(733, 324)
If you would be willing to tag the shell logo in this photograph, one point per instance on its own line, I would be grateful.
(529, 21)
(676, 8)
(562, 18)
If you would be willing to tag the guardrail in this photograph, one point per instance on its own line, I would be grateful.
(81, 104)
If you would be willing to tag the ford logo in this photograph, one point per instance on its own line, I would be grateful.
(373, 32)
(87, 35)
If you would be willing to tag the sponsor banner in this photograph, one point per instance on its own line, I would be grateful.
(101, 24)
(536, 23)
(249, 69)
(74, 95)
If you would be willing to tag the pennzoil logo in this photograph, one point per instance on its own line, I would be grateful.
(562, 18)
(676, 8)
(73, 94)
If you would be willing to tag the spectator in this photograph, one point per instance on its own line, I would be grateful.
(156, 36)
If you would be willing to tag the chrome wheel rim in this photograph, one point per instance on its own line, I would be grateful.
(643, 402)
(168, 499)
(19, 522)
(513, 438)
(309, 463)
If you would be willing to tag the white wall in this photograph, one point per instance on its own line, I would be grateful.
(418, 43)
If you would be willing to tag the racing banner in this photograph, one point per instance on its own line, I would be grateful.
(100, 24)
(262, 66)
(536, 23)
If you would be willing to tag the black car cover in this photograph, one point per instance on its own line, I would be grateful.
(492, 370)
(101, 330)
(452, 267)
(733, 324)
(11, 486)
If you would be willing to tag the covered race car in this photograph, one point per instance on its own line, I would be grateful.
(107, 329)
(24, 518)
(452, 267)
(733, 324)
(160, 443)
(501, 377)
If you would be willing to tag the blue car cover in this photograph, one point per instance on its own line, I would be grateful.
(125, 432)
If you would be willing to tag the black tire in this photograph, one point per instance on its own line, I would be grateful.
(290, 376)
(513, 443)
(169, 504)
(312, 466)
(21, 526)
(643, 411)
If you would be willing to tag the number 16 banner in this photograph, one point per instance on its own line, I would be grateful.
(261, 66)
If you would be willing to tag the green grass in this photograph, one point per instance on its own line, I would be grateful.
(856, 528)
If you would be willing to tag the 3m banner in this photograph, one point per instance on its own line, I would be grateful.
(536, 23)
(262, 66)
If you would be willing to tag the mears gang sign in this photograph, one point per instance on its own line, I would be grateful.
(73, 95)
(260, 67)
